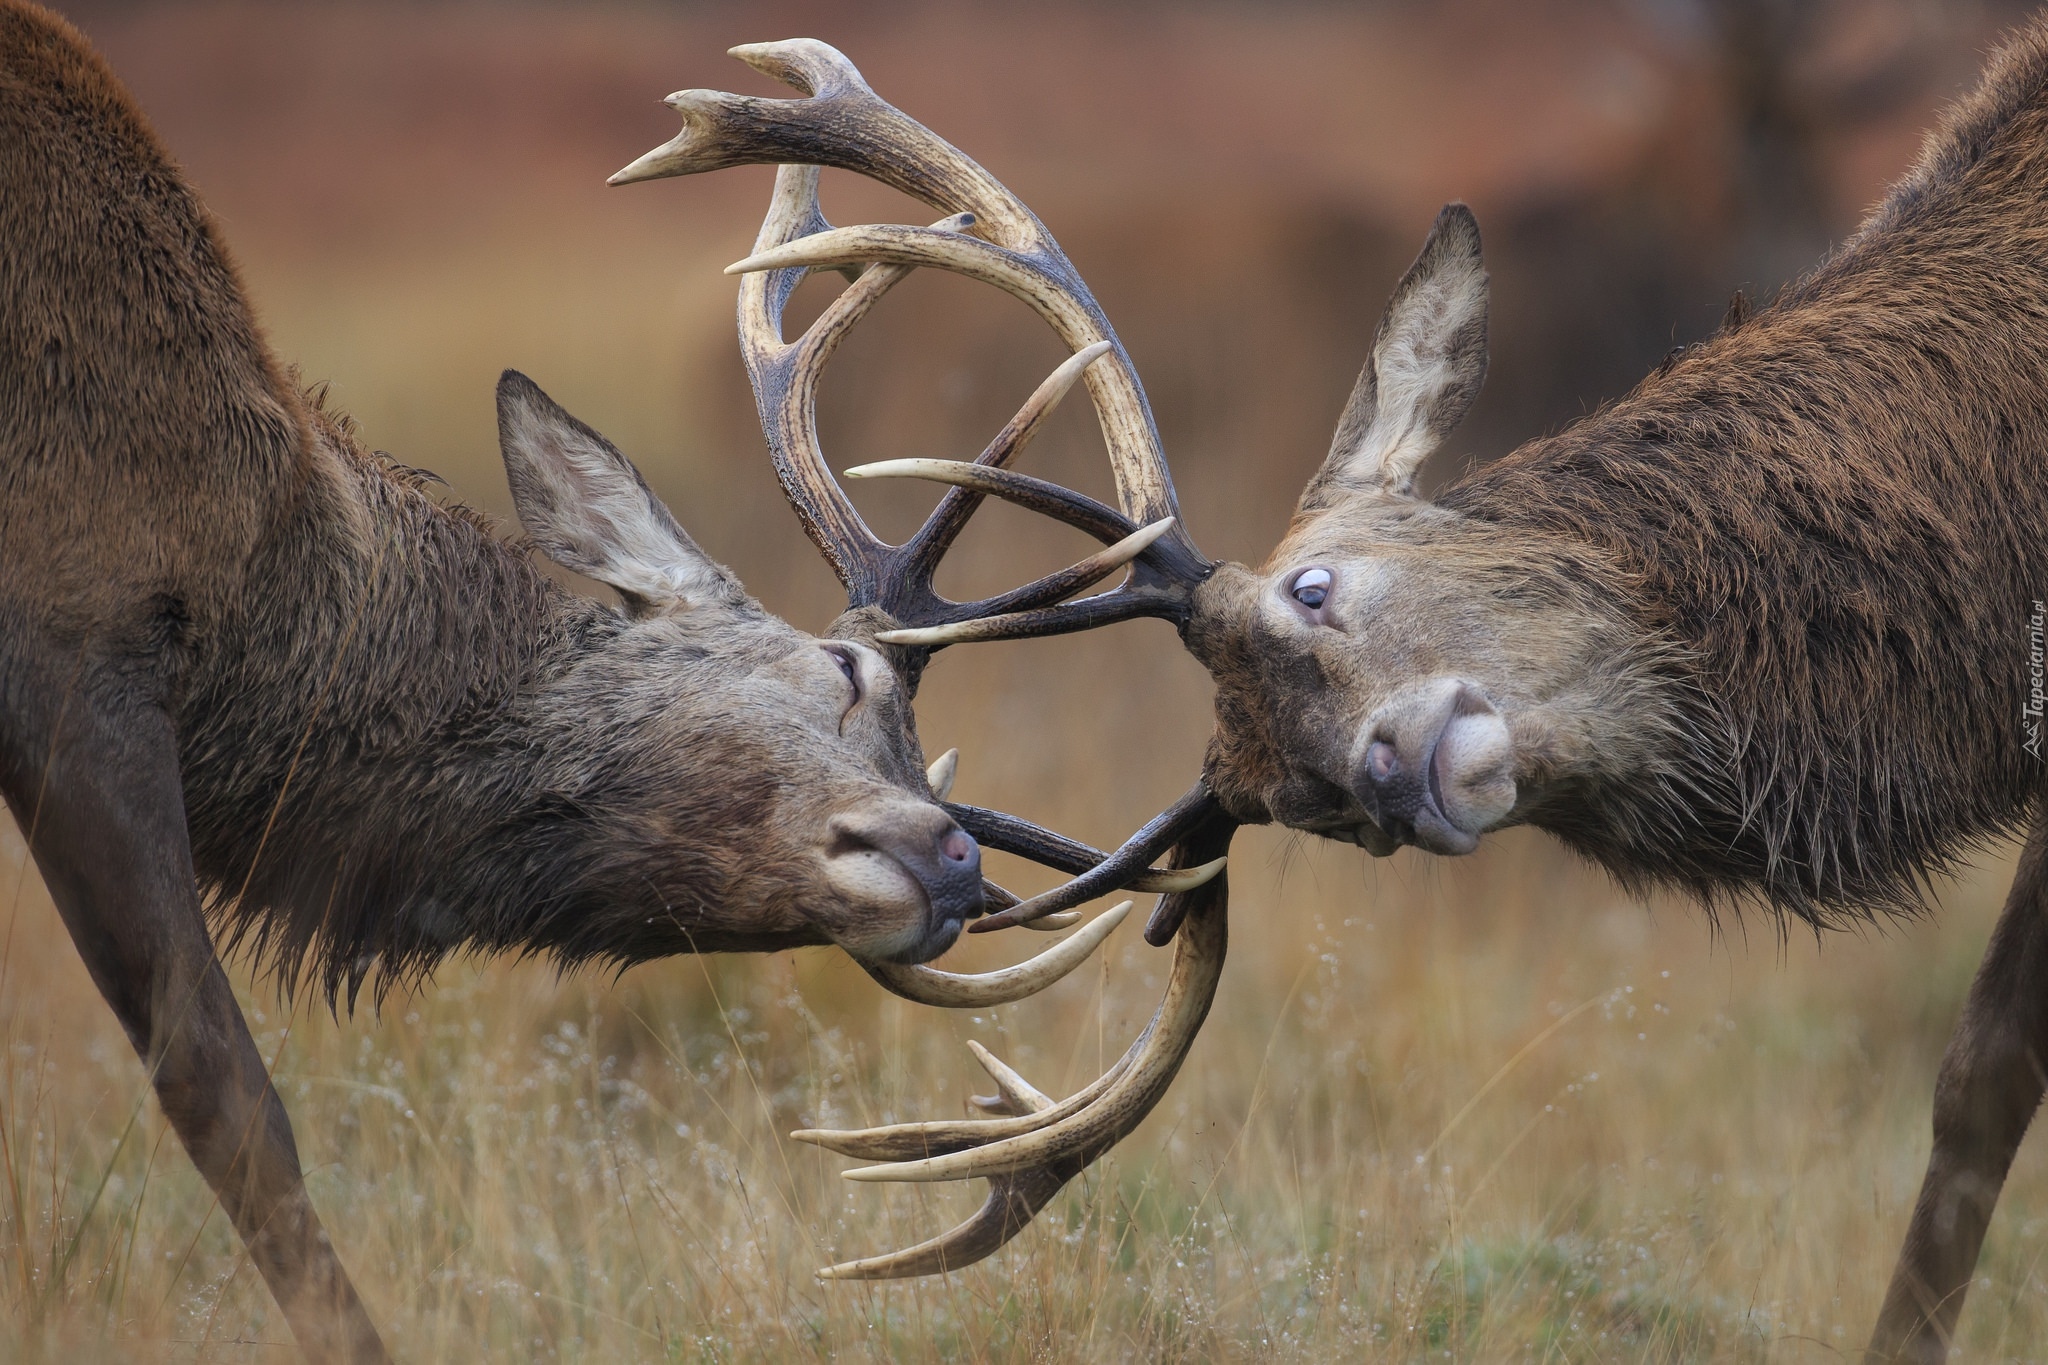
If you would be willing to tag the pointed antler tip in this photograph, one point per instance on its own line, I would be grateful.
(653, 166)
(1145, 535)
(905, 469)
(753, 54)
(922, 635)
(939, 776)
(814, 67)
(1186, 878)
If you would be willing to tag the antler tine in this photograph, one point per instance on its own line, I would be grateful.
(785, 377)
(1007, 834)
(1030, 1154)
(844, 124)
(949, 518)
(954, 990)
(1013, 1200)
(1048, 284)
(979, 480)
(1100, 873)
(1162, 832)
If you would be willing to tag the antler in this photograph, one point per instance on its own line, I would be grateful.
(989, 235)
(1099, 874)
(844, 123)
(1038, 1145)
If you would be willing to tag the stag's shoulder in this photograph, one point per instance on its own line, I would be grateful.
(39, 50)
(134, 380)
(1995, 135)
(62, 110)
(114, 261)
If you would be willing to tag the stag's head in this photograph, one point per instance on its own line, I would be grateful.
(787, 764)
(1399, 672)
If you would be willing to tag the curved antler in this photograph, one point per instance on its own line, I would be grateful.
(1037, 1144)
(989, 235)
(954, 990)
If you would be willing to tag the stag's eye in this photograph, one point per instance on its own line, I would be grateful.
(850, 668)
(1311, 588)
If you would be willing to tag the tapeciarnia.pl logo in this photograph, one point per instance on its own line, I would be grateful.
(2037, 681)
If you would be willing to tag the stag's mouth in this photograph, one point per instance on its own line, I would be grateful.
(1418, 816)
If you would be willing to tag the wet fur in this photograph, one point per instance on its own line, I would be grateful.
(1836, 510)
(1761, 626)
(398, 738)
(442, 792)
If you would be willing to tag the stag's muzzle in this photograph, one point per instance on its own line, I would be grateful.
(1435, 766)
(911, 859)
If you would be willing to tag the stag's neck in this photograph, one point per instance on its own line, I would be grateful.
(376, 753)
(1838, 509)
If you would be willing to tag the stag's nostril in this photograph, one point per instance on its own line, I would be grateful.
(957, 847)
(1380, 761)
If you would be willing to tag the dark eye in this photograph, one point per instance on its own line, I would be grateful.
(1311, 588)
(843, 656)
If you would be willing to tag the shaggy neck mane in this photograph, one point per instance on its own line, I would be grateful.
(1836, 511)
(359, 752)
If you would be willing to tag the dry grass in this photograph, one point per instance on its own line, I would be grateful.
(1477, 1110)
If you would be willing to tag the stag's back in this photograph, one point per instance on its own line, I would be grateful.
(147, 441)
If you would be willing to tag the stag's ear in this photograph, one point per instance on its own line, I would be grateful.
(589, 510)
(1427, 363)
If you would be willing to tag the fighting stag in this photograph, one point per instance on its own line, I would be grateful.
(248, 667)
(1767, 630)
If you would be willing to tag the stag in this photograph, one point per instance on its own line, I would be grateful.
(252, 670)
(1766, 631)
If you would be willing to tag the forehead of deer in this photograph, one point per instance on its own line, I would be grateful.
(861, 624)
(1379, 528)
(734, 642)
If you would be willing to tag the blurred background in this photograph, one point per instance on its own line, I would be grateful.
(1489, 1109)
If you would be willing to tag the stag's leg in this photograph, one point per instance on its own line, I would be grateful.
(1991, 1082)
(101, 805)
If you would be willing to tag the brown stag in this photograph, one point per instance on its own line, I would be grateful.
(1768, 630)
(248, 668)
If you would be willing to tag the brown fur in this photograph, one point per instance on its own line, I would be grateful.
(1760, 630)
(240, 653)
(369, 687)
(1821, 534)
(1840, 510)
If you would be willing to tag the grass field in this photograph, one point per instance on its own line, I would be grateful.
(1489, 1109)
